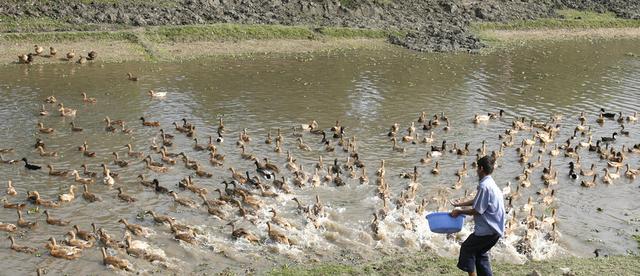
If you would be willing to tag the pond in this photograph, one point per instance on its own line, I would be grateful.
(367, 92)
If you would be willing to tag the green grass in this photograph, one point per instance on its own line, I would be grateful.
(59, 37)
(237, 32)
(226, 32)
(192, 33)
(37, 24)
(427, 264)
(338, 32)
(567, 19)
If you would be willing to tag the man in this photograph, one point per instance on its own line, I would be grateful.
(487, 209)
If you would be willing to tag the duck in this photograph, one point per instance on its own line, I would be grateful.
(631, 173)
(23, 223)
(276, 236)
(85, 235)
(548, 199)
(11, 191)
(165, 158)
(82, 60)
(600, 119)
(131, 153)
(157, 95)
(160, 218)
(606, 179)
(363, 179)
(108, 179)
(144, 182)
(53, 172)
(21, 248)
(179, 128)
(447, 126)
(463, 170)
(8, 227)
(397, 148)
(85, 150)
(68, 197)
(158, 188)
(251, 201)
(183, 201)
(134, 228)
(125, 197)
(65, 111)
(609, 139)
(71, 55)
(43, 111)
(155, 163)
(436, 168)
(89, 196)
(589, 184)
(197, 146)
(44, 202)
(80, 179)
(458, 183)
(437, 151)
(52, 52)
(75, 128)
(105, 238)
(202, 173)
(117, 161)
(155, 168)
(115, 261)
(63, 252)
(185, 236)
(38, 49)
(480, 118)
(607, 114)
(215, 210)
(131, 77)
(211, 202)
(45, 130)
(44, 153)
(149, 123)
(238, 233)
(92, 55)
(24, 58)
(73, 241)
(525, 182)
(87, 99)
(54, 221)
(141, 249)
(623, 131)
(375, 227)
(632, 118)
(302, 145)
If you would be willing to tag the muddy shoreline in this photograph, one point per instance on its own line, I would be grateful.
(440, 26)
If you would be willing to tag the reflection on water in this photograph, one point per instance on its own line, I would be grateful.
(367, 92)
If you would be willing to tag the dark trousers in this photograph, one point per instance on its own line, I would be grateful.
(474, 254)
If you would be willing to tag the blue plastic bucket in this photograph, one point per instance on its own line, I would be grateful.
(442, 222)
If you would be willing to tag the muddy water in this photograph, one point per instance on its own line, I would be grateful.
(367, 92)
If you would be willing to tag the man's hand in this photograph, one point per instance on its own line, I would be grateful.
(455, 203)
(455, 212)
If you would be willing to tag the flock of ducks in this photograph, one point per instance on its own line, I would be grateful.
(247, 196)
(38, 51)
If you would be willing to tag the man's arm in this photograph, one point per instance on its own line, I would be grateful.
(457, 203)
(470, 212)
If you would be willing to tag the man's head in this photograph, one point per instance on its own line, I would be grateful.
(485, 166)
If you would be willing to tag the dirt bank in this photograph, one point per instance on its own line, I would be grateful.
(426, 25)
(428, 264)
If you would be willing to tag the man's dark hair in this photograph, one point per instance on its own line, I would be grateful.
(486, 163)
